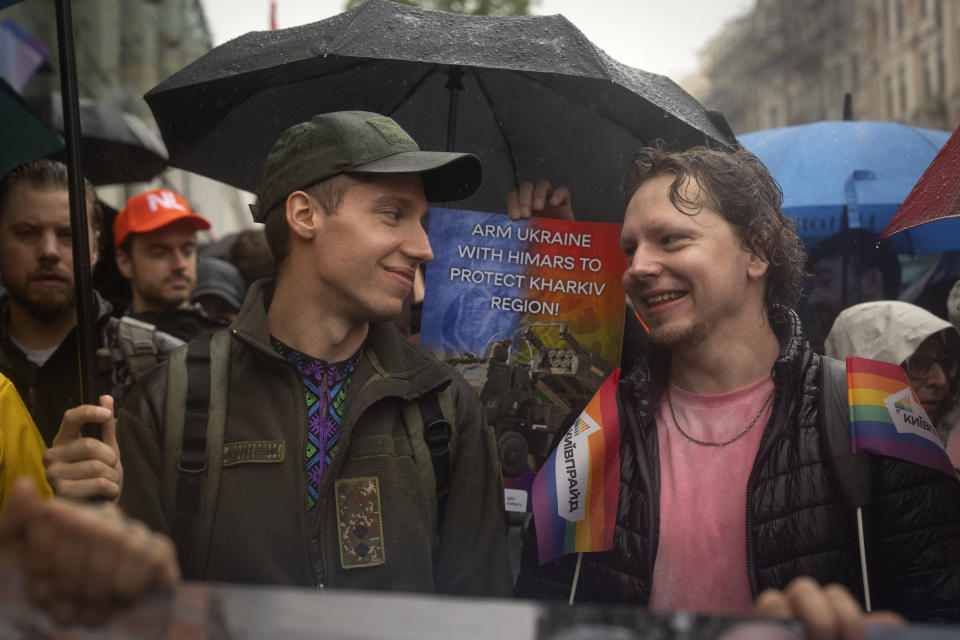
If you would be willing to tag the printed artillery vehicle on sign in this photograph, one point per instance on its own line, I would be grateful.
(528, 388)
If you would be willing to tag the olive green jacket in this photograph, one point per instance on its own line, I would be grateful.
(374, 526)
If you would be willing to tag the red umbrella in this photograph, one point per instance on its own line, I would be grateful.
(936, 195)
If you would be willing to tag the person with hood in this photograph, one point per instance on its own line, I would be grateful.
(927, 347)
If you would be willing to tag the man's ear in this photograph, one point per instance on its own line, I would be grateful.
(124, 263)
(299, 210)
(94, 249)
(756, 265)
(871, 285)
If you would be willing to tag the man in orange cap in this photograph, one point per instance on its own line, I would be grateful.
(155, 237)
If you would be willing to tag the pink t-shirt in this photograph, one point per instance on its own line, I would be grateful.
(701, 562)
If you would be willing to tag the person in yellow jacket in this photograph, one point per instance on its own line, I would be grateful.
(21, 445)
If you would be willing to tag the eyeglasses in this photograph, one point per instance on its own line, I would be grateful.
(918, 366)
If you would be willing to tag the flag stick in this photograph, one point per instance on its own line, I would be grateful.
(863, 560)
(576, 578)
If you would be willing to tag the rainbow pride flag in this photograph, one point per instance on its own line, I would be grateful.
(576, 491)
(886, 417)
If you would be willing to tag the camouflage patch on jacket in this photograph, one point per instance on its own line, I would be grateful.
(359, 522)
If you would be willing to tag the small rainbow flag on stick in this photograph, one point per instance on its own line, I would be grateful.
(886, 418)
(576, 490)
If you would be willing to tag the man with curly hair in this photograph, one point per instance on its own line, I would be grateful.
(726, 487)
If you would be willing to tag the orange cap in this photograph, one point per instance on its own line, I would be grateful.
(152, 210)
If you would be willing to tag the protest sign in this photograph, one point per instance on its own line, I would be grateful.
(530, 312)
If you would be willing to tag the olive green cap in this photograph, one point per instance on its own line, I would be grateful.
(358, 142)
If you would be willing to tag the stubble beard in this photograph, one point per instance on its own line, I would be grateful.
(164, 303)
(673, 338)
(43, 309)
(153, 298)
(670, 337)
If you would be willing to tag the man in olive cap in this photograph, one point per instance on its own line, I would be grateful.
(350, 458)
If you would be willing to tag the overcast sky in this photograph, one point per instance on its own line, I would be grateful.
(662, 36)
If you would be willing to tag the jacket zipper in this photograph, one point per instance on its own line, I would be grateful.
(761, 454)
(335, 464)
(321, 501)
(749, 526)
(646, 477)
(654, 536)
(302, 442)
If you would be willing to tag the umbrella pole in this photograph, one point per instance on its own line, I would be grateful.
(453, 86)
(844, 263)
(78, 209)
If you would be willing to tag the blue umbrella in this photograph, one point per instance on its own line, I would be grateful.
(859, 170)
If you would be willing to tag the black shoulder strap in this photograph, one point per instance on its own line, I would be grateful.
(193, 457)
(853, 471)
(437, 433)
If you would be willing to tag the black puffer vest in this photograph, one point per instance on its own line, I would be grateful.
(797, 523)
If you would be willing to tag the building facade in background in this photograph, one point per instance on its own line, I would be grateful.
(790, 62)
(124, 48)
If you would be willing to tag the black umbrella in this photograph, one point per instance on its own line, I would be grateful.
(531, 96)
(116, 146)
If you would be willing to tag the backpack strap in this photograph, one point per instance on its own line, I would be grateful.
(437, 432)
(135, 340)
(853, 471)
(430, 425)
(194, 435)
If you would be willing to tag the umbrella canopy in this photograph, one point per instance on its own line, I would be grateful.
(861, 169)
(936, 196)
(117, 146)
(531, 96)
(23, 137)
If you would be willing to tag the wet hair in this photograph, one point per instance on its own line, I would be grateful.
(47, 175)
(737, 186)
(329, 193)
(860, 246)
